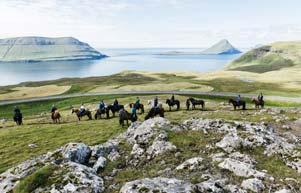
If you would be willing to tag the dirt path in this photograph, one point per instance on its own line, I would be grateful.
(274, 98)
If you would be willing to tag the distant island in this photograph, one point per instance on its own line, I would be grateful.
(272, 57)
(40, 49)
(223, 47)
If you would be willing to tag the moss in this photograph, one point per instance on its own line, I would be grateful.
(37, 179)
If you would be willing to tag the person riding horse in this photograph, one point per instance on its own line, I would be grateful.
(173, 98)
(260, 97)
(137, 103)
(134, 113)
(102, 105)
(156, 102)
(17, 110)
(82, 109)
(18, 116)
(115, 104)
(53, 109)
(238, 99)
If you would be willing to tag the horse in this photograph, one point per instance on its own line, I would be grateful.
(237, 104)
(155, 111)
(99, 112)
(18, 118)
(56, 116)
(80, 115)
(258, 103)
(140, 107)
(195, 102)
(114, 109)
(125, 116)
(173, 103)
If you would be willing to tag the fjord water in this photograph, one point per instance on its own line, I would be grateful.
(119, 60)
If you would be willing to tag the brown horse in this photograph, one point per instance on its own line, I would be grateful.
(80, 115)
(195, 102)
(125, 116)
(56, 117)
(99, 112)
(140, 107)
(18, 118)
(258, 103)
(238, 104)
(173, 103)
(155, 111)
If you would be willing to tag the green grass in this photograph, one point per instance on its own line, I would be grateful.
(37, 179)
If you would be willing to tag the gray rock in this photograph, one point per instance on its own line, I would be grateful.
(253, 184)
(191, 164)
(209, 186)
(105, 149)
(100, 164)
(283, 191)
(230, 142)
(240, 168)
(77, 152)
(160, 147)
(167, 185)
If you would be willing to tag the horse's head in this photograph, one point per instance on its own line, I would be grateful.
(254, 100)
(230, 101)
(167, 101)
(72, 110)
(131, 105)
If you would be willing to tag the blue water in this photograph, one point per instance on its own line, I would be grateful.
(119, 60)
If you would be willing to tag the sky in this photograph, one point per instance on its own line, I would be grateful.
(154, 23)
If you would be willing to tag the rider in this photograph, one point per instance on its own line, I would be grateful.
(102, 104)
(238, 99)
(260, 97)
(53, 109)
(137, 102)
(156, 102)
(134, 114)
(172, 98)
(115, 104)
(17, 109)
(82, 109)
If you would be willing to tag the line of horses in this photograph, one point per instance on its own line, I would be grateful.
(154, 111)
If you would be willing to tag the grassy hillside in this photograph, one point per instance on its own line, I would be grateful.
(273, 57)
(45, 49)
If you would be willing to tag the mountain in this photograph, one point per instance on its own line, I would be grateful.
(34, 49)
(222, 47)
(275, 56)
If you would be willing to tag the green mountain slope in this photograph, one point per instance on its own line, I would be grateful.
(275, 56)
(31, 49)
(222, 47)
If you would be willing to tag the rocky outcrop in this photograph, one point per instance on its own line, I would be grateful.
(83, 168)
(158, 185)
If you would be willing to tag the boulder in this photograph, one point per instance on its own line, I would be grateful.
(167, 185)
(240, 168)
(77, 152)
(191, 164)
(230, 142)
(253, 184)
(100, 164)
(159, 147)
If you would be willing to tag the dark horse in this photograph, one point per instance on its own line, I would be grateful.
(125, 116)
(237, 104)
(258, 103)
(99, 112)
(18, 118)
(114, 109)
(80, 115)
(155, 111)
(56, 116)
(195, 102)
(173, 103)
(140, 107)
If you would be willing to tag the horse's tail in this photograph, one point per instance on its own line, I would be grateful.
(203, 105)
(179, 105)
(142, 108)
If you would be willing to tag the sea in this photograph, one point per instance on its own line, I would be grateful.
(142, 59)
